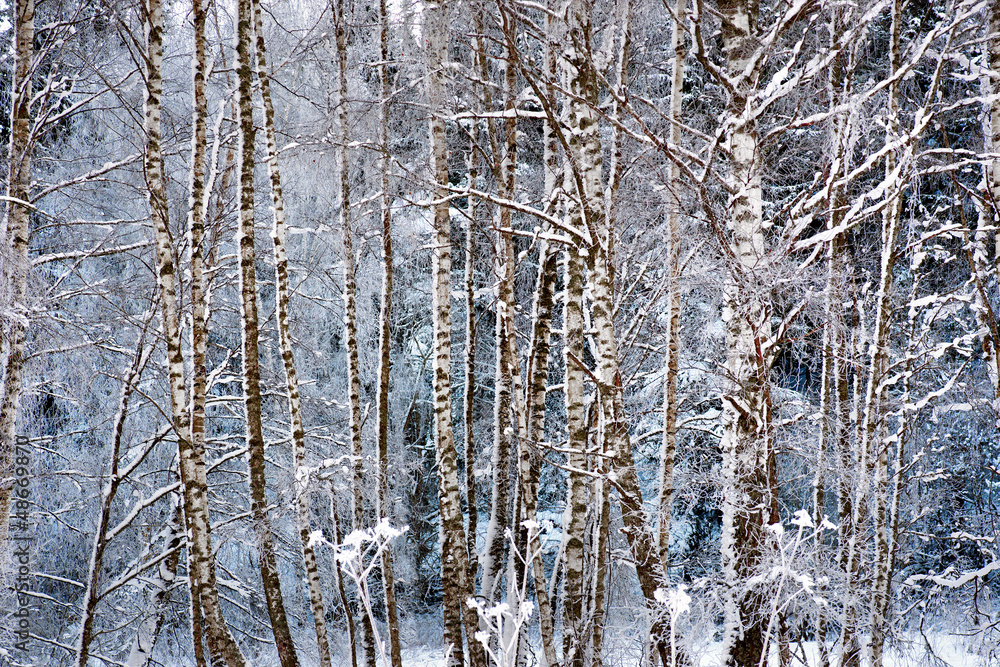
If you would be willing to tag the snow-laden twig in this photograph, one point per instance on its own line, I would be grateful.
(358, 556)
(505, 620)
(678, 602)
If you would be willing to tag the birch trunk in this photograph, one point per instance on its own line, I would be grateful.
(745, 444)
(358, 518)
(528, 457)
(851, 481)
(597, 237)
(989, 210)
(249, 331)
(601, 493)
(835, 440)
(892, 487)
(507, 368)
(109, 490)
(669, 445)
(468, 405)
(282, 292)
(15, 235)
(201, 565)
(197, 207)
(456, 582)
(575, 639)
(385, 344)
(874, 441)
(469, 394)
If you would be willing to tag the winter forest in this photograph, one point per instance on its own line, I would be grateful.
(500, 333)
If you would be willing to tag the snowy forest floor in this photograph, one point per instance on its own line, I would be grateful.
(945, 650)
(939, 648)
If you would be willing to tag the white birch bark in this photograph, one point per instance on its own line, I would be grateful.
(15, 236)
(669, 444)
(575, 640)
(385, 345)
(745, 444)
(507, 366)
(469, 393)
(600, 545)
(358, 518)
(282, 291)
(457, 584)
(873, 456)
(597, 242)
(204, 592)
(576, 597)
(249, 333)
(197, 208)
(528, 456)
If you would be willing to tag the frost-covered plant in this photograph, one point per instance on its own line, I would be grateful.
(505, 621)
(678, 602)
(782, 574)
(358, 556)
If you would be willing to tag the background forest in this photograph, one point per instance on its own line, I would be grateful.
(500, 332)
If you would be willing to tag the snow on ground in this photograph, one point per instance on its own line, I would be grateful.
(948, 651)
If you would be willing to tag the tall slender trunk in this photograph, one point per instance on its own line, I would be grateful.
(597, 239)
(282, 291)
(358, 517)
(15, 236)
(507, 367)
(478, 60)
(109, 490)
(834, 442)
(455, 577)
(197, 207)
(528, 457)
(249, 331)
(746, 441)
(385, 341)
(669, 444)
(201, 560)
(852, 479)
(575, 640)
(874, 442)
(989, 211)
(873, 456)
(600, 545)
(469, 394)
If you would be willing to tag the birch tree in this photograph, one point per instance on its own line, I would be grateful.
(350, 303)
(455, 572)
(989, 217)
(282, 298)
(669, 444)
(250, 348)
(15, 238)
(204, 593)
(507, 370)
(746, 444)
(197, 209)
(596, 242)
(385, 347)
